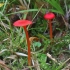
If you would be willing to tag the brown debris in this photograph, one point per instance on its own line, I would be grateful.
(2, 64)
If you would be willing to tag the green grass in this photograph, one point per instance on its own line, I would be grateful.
(13, 40)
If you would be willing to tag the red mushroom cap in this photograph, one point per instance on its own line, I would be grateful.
(49, 16)
(19, 23)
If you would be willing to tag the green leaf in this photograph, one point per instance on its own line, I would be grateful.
(37, 44)
(56, 5)
(56, 11)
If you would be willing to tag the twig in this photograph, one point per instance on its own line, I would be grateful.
(25, 2)
(53, 59)
(37, 12)
(61, 65)
(2, 63)
(22, 3)
(66, 24)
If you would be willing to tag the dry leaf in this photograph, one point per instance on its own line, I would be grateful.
(21, 54)
(2, 63)
(31, 39)
(67, 67)
(12, 57)
(22, 7)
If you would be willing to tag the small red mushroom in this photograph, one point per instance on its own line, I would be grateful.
(24, 23)
(49, 16)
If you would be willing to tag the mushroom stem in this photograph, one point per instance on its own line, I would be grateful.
(28, 44)
(50, 27)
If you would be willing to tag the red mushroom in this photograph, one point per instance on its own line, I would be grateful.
(49, 16)
(24, 23)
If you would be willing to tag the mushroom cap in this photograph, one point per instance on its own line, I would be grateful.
(20, 23)
(49, 16)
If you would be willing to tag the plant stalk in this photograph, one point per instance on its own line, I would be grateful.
(50, 27)
(28, 44)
